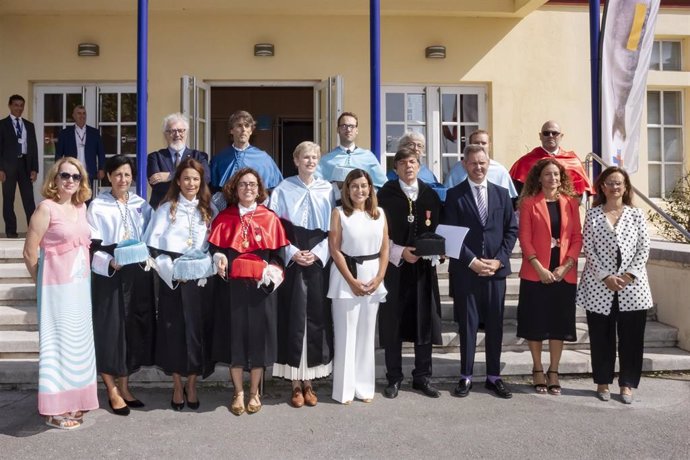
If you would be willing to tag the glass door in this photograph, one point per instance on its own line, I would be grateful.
(196, 98)
(328, 105)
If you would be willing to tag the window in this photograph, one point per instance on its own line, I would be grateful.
(445, 115)
(665, 55)
(664, 141)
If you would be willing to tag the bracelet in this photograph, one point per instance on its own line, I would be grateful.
(530, 259)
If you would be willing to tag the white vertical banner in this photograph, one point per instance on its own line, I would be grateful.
(627, 38)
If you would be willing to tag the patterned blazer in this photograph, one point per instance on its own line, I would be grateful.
(601, 240)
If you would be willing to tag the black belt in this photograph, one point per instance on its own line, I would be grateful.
(352, 261)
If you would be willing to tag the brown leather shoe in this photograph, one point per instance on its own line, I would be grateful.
(297, 398)
(310, 398)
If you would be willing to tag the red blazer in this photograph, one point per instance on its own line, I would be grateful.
(535, 234)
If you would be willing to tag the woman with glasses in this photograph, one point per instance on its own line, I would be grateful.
(58, 230)
(358, 242)
(614, 288)
(123, 301)
(551, 240)
(178, 238)
(247, 240)
(305, 328)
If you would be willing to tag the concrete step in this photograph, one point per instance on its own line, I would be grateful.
(18, 344)
(17, 291)
(11, 249)
(23, 373)
(18, 318)
(14, 272)
(509, 312)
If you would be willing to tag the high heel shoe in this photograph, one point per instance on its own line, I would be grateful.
(176, 406)
(120, 411)
(553, 389)
(539, 387)
(253, 408)
(190, 404)
(237, 405)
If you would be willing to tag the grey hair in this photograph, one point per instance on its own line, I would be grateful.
(177, 116)
(411, 136)
(473, 148)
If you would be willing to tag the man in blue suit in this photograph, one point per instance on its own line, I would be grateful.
(478, 277)
(83, 143)
(161, 165)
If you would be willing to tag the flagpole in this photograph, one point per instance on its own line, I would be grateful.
(595, 58)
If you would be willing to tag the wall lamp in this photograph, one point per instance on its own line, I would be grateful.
(88, 49)
(435, 52)
(264, 49)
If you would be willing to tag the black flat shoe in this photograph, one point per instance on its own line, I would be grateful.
(463, 388)
(124, 411)
(391, 391)
(190, 404)
(176, 406)
(499, 388)
(427, 389)
(135, 404)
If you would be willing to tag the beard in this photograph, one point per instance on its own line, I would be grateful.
(177, 145)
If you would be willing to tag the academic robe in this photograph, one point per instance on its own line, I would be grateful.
(426, 176)
(305, 212)
(229, 160)
(358, 158)
(412, 311)
(569, 160)
(185, 309)
(123, 303)
(245, 332)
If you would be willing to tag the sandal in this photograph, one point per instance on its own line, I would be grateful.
(553, 389)
(539, 387)
(254, 408)
(237, 405)
(76, 415)
(62, 422)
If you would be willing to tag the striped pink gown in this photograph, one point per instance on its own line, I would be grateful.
(67, 362)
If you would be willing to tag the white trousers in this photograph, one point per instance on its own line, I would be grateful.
(354, 363)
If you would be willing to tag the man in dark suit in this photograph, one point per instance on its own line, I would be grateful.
(18, 163)
(83, 143)
(161, 165)
(478, 277)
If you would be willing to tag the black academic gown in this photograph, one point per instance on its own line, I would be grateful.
(412, 311)
(302, 299)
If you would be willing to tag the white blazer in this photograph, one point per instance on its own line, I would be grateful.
(600, 243)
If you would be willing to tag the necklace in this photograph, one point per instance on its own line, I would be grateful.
(124, 214)
(245, 230)
(191, 211)
(410, 216)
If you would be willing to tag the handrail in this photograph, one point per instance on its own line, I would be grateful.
(682, 230)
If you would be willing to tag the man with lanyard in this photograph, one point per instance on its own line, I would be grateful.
(18, 163)
(336, 164)
(83, 143)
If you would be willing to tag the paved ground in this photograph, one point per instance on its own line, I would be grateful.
(575, 425)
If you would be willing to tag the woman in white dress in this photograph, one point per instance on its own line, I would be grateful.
(305, 329)
(358, 242)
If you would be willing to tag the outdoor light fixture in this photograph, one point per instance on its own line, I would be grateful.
(435, 52)
(88, 49)
(264, 49)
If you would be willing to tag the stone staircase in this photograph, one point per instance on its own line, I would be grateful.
(19, 335)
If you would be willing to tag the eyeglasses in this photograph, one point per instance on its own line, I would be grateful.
(550, 133)
(345, 127)
(247, 185)
(614, 184)
(415, 145)
(180, 131)
(68, 176)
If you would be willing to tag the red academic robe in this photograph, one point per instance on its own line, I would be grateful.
(569, 160)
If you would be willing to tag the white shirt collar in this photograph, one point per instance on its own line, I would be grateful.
(475, 184)
(345, 149)
(77, 128)
(182, 200)
(558, 149)
(244, 210)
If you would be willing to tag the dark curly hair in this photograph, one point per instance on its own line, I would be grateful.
(533, 186)
(231, 186)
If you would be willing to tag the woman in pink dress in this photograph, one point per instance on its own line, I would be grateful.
(56, 253)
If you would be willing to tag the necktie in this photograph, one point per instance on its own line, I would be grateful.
(19, 128)
(177, 159)
(481, 204)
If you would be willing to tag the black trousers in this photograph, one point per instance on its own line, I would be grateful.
(630, 327)
(422, 363)
(482, 301)
(22, 177)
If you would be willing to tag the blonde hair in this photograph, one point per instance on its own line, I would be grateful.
(50, 190)
(306, 147)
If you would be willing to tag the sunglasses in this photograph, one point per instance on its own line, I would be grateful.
(68, 176)
(550, 133)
